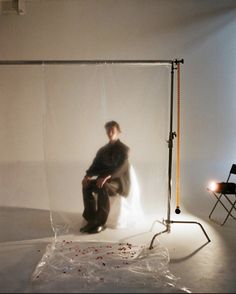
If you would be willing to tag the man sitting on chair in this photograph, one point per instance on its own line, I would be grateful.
(111, 169)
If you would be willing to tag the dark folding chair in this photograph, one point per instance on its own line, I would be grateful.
(225, 190)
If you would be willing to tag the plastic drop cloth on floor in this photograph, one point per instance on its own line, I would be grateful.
(72, 266)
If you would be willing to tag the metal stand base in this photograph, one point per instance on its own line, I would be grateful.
(167, 224)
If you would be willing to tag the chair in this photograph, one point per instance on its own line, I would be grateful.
(223, 191)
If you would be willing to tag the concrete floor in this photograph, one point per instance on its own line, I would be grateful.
(202, 267)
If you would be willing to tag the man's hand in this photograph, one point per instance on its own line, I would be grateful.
(101, 181)
(86, 181)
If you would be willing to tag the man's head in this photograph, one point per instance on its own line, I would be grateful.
(113, 130)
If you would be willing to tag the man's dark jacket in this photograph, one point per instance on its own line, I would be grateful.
(112, 159)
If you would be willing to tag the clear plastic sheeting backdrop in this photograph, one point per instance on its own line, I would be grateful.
(76, 102)
(79, 100)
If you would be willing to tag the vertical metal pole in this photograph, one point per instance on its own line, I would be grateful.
(170, 144)
(167, 223)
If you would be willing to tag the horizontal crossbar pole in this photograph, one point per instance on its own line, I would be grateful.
(41, 62)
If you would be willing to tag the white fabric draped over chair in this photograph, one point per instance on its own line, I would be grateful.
(126, 211)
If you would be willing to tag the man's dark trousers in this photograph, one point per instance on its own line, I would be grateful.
(97, 211)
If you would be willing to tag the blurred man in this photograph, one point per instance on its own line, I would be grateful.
(110, 168)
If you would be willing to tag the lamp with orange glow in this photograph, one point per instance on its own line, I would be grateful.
(223, 187)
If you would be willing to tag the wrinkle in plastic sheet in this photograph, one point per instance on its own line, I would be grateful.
(78, 100)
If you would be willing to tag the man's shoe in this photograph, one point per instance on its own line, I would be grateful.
(87, 227)
(97, 229)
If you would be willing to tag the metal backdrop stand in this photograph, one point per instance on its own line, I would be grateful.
(167, 223)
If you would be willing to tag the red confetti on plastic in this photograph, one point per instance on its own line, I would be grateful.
(99, 257)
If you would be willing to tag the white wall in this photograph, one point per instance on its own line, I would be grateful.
(201, 32)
